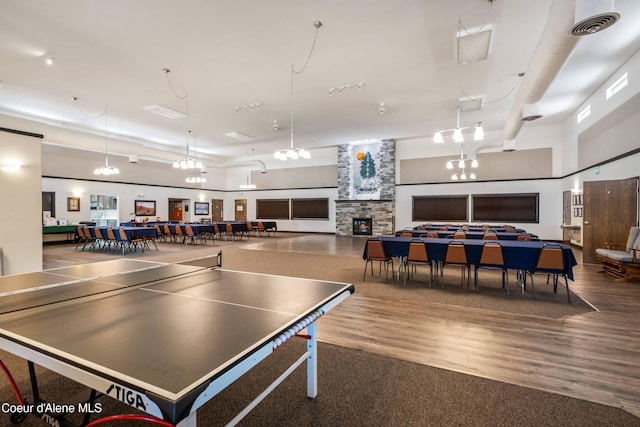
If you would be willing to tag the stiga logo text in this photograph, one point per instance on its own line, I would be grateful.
(127, 396)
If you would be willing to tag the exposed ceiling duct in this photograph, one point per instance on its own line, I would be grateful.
(261, 166)
(531, 112)
(554, 47)
(592, 16)
(567, 18)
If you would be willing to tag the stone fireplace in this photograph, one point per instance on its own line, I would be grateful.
(380, 211)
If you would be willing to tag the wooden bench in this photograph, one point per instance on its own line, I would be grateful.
(622, 262)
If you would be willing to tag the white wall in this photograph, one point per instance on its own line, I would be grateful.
(310, 225)
(550, 201)
(21, 213)
(238, 175)
(127, 194)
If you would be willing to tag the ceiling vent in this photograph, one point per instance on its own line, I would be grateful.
(531, 112)
(592, 16)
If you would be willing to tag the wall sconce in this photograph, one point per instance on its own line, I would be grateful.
(10, 167)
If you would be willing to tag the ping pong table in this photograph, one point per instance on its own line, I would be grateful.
(163, 338)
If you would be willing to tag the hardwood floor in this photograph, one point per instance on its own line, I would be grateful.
(593, 356)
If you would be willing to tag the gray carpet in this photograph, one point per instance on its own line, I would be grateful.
(356, 388)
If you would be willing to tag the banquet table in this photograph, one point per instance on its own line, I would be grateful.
(197, 228)
(268, 225)
(132, 232)
(517, 255)
(470, 234)
(453, 228)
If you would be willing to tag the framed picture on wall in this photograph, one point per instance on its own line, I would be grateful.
(73, 204)
(145, 207)
(201, 208)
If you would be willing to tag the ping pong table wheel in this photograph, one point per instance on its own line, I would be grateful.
(17, 418)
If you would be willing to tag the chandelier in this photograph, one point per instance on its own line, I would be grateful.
(106, 169)
(478, 133)
(190, 163)
(195, 180)
(248, 185)
(463, 163)
(292, 152)
(187, 162)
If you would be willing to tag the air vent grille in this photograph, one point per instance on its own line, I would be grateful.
(595, 23)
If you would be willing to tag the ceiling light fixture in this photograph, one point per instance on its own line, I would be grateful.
(187, 162)
(478, 134)
(248, 185)
(192, 164)
(478, 131)
(463, 163)
(292, 152)
(239, 136)
(106, 169)
(340, 90)
(166, 111)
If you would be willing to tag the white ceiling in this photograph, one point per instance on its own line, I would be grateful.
(226, 54)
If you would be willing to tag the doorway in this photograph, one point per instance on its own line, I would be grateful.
(241, 209)
(610, 209)
(175, 210)
(217, 209)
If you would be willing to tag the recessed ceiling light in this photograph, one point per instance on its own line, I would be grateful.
(239, 136)
(474, 46)
(165, 112)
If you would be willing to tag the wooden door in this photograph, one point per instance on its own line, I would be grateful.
(241, 209)
(217, 210)
(610, 209)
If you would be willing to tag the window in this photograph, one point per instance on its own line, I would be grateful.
(586, 112)
(617, 86)
(505, 207)
(440, 208)
(272, 209)
(310, 208)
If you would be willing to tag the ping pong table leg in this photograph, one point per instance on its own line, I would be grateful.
(312, 362)
(190, 421)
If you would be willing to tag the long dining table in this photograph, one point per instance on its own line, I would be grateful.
(132, 232)
(453, 228)
(470, 234)
(518, 255)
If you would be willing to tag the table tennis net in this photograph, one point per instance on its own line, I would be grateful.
(63, 285)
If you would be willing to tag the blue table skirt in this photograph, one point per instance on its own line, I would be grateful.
(470, 234)
(517, 255)
(197, 228)
(453, 228)
(269, 225)
(132, 232)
